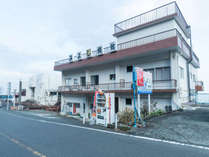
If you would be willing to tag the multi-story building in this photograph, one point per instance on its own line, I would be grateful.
(159, 41)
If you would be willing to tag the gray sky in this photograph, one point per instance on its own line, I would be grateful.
(35, 33)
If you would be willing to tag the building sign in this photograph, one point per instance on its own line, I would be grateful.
(147, 84)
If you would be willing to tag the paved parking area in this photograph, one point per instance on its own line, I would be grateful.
(189, 126)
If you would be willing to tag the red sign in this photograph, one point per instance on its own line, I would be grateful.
(140, 80)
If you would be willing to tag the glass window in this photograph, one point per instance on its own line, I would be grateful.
(75, 81)
(128, 101)
(181, 72)
(112, 76)
(83, 81)
(129, 68)
(163, 73)
(67, 81)
(95, 79)
(151, 71)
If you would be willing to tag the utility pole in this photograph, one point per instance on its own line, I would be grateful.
(20, 93)
(9, 94)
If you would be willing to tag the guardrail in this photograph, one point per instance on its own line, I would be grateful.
(155, 14)
(157, 84)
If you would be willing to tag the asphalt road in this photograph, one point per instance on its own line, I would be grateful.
(22, 135)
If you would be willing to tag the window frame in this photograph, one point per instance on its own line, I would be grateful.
(129, 68)
(112, 77)
(128, 99)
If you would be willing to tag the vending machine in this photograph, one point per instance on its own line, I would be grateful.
(104, 104)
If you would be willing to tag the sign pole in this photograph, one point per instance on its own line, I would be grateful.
(149, 103)
(134, 90)
(139, 106)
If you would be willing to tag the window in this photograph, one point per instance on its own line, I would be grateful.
(95, 79)
(53, 93)
(194, 78)
(129, 68)
(181, 72)
(163, 73)
(77, 105)
(112, 76)
(69, 104)
(76, 81)
(67, 81)
(128, 101)
(83, 81)
(151, 71)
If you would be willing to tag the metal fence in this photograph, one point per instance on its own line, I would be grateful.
(155, 14)
(157, 84)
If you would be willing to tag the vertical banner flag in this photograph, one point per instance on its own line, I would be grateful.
(140, 78)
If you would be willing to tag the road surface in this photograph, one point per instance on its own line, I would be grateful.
(23, 135)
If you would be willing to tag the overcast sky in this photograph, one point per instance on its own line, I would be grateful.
(35, 33)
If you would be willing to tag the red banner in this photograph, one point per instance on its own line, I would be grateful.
(140, 80)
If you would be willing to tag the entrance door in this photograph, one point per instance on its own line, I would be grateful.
(116, 104)
(74, 108)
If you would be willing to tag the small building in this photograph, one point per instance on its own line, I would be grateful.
(42, 88)
(157, 41)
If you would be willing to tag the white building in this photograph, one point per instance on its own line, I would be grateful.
(42, 88)
(157, 41)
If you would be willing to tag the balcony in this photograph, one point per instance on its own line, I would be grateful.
(156, 15)
(158, 86)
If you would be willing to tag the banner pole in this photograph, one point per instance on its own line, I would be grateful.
(149, 103)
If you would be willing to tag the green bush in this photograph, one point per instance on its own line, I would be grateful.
(155, 114)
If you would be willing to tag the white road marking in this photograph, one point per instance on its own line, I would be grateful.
(43, 115)
(115, 133)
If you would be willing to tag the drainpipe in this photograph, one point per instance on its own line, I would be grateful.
(188, 62)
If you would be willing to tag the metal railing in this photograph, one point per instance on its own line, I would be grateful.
(75, 58)
(155, 14)
(157, 84)
(148, 39)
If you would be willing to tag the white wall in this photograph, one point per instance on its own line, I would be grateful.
(43, 83)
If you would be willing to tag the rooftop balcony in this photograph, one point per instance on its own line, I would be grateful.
(158, 86)
(159, 14)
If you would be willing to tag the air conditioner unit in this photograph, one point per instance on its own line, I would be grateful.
(79, 55)
(112, 46)
(99, 51)
(70, 58)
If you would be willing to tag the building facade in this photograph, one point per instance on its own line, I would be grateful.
(157, 41)
(42, 88)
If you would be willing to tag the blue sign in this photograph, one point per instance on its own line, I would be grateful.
(5, 96)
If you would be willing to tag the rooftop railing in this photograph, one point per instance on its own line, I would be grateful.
(84, 55)
(155, 14)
